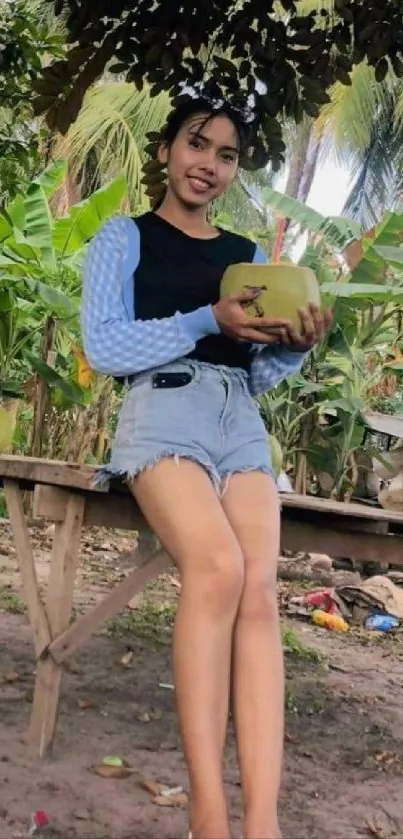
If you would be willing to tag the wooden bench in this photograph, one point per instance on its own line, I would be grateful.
(64, 494)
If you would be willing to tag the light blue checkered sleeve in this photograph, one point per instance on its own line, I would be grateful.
(115, 343)
(271, 364)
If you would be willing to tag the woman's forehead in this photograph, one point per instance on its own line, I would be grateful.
(218, 129)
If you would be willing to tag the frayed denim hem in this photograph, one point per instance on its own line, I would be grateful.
(225, 479)
(112, 470)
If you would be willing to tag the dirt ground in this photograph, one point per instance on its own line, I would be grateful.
(344, 740)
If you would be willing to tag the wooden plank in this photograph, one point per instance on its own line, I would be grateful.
(364, 547)
(340, 508)
(26, 562)
(59, 603)
(348, 523)
(77, 634)
(30, 471)
(122, 512)
(389, 424)
(101, 510)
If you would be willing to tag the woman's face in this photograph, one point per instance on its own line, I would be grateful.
(202, 160)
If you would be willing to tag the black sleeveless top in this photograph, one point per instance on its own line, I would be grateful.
(179, 273)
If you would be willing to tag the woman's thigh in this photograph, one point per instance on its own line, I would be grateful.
(181, 505)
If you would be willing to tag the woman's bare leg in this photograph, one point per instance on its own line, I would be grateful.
(252, 506)
(180, 504)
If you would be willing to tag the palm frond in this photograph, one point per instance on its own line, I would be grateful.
(243, 203)
(45, 15)
(398, 115)
(242, 208)
(113, 123)
(346, 123)
(377, 173)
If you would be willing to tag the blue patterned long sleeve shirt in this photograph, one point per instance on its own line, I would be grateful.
(118, 344)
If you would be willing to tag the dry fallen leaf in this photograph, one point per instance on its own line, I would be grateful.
(11, 677)
(163, 801)
(164, 796)
(108, 770)
(84, 704)
(126, 660)
(82, 815)
(179, 799)
(153, 787)
(290, 738)
(374, 829)
(174, 581)
(113, 771)
(386, 758)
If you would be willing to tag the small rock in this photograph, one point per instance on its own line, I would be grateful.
(82, 815)
(321, 562)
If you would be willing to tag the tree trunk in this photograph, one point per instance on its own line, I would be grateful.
(67, 195)
(309, 171)
(298, 159)
(42, 392)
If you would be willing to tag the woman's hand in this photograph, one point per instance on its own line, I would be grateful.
(314, 325)
(235, 322)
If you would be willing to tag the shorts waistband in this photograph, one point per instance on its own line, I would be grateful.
(200, 368)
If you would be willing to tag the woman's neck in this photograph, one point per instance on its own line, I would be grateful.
(192, 222)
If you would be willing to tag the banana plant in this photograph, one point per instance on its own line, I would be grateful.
(317, 417)
(40, 262)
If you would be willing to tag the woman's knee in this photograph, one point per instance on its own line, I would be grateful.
(259, 595)
(217, 578)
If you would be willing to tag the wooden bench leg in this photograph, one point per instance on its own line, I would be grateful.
(80, 632)
(36, 612)
(59, 602)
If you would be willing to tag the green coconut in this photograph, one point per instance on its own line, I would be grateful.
(276, 454)
(285, 289)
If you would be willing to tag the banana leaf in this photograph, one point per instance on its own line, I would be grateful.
(72, 232)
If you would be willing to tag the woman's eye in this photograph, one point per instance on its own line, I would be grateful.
(195, 143)
(228, 158)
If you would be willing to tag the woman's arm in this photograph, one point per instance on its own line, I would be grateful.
(114, 342)
(271, 364)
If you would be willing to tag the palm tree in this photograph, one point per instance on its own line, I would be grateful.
(362, 127)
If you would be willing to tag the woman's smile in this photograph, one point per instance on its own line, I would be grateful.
(199, 185)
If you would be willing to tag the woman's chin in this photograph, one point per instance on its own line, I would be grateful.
(193, 200)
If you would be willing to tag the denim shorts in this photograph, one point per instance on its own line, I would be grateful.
(212, 420)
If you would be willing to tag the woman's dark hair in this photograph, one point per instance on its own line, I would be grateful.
(192, 107)
(154, 175)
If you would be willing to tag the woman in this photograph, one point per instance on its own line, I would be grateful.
(194, 450)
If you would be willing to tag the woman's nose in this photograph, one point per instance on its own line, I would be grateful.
(209, 162)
